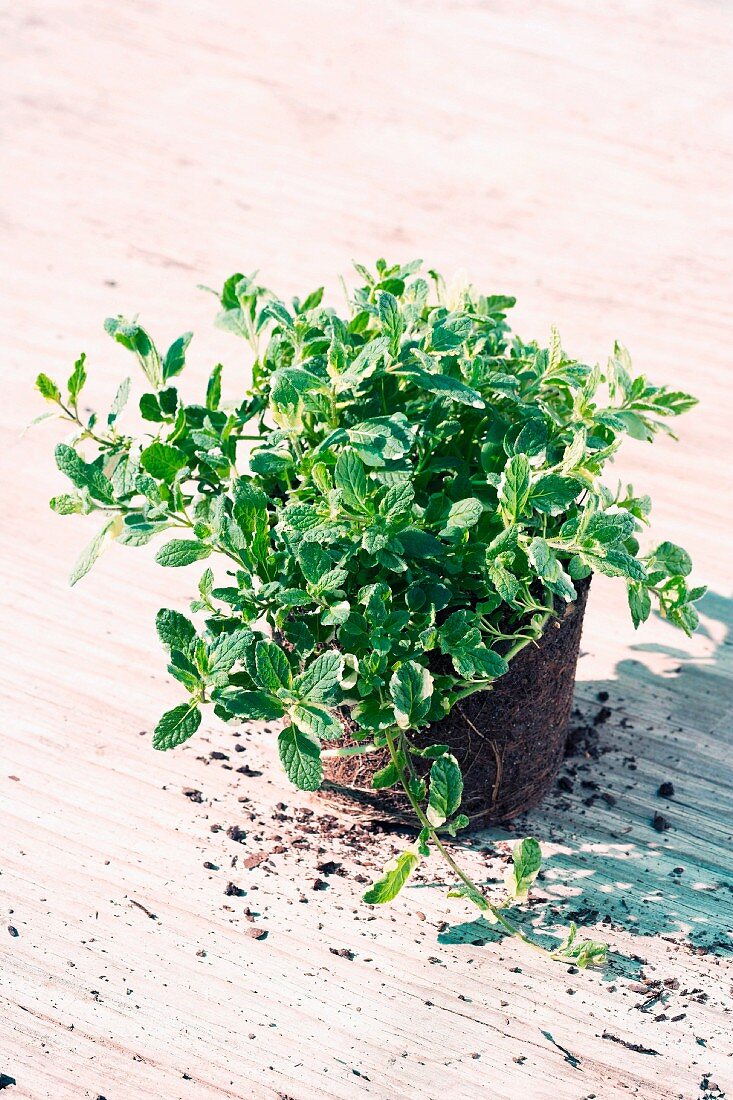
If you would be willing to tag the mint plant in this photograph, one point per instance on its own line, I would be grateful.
(404, 488)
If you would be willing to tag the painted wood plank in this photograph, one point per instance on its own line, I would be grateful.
(574, 155)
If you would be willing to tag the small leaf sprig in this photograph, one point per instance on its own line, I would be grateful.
(402, 486)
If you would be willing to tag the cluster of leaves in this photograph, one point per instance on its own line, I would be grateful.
(401, 500)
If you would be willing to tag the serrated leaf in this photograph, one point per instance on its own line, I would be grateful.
(386, 777)
(300, 755)
(176, 726)
(397, 502)
(273, 668)
(640, 604)
(163, 461)
(228, 648)
(48, 388)
(396, 874)
(449, 333)
(391, 318)
(514, 487)
(315, 720)
(532, 439)
(350, 478)
(445, 791)
(442, 385)
(526, 863)
(175, 630)
(363, 366)
(90, 553)
(615, 563)
(420, 544)
(175, 357)
(464, 514)
(320, 680)
(314, 562)
(85, 475)
(180, 552)
(554, 353)
(575, 451)
(674, 560)
(119, 401)
(133, 337)
(463, 890)
(66, 504)
(610, 527)
(257, 706)
(547, 566)
(77, 379)
(213, 388)
(411, 688)
(553, 494)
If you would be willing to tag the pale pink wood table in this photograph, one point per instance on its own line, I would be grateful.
(577, 155)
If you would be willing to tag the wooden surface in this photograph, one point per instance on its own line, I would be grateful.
(575, 154)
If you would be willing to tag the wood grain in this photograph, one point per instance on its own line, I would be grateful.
(574, 154)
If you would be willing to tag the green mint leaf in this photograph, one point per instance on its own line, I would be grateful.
(554, 352)
(66, 504)
(392, 320)
(176, 726)
(119, 401)
(48, 388)
(175, 630)
(133, 337)
(320, 681)
(442, 385)
(300, 755)
(180, 552)
(446, 790)
(450, 333)
(640, 604)
(162, 461)
(150, 408)
(85, 475)
(463, 514)
(396, 874)
(526, 863)
(273, 668)
(314, 562)
(90, 553)
(350, 478)
(675, 561)
(257, 706)
(387, 776)
(545, 563)
(487, 665)
(175, 357)
(77, 379)
(228, 648)
(463, 890)
(397, 502)
(583, 953)
(532, 439)
(363, 366)
(213, 388)
(420, 544)
(411, 688)
(514, 487)
(315, 720)
(460, 821)
(553, 494)
(615, 563)
(610, 527)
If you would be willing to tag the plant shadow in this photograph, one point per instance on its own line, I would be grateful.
(620, 853)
